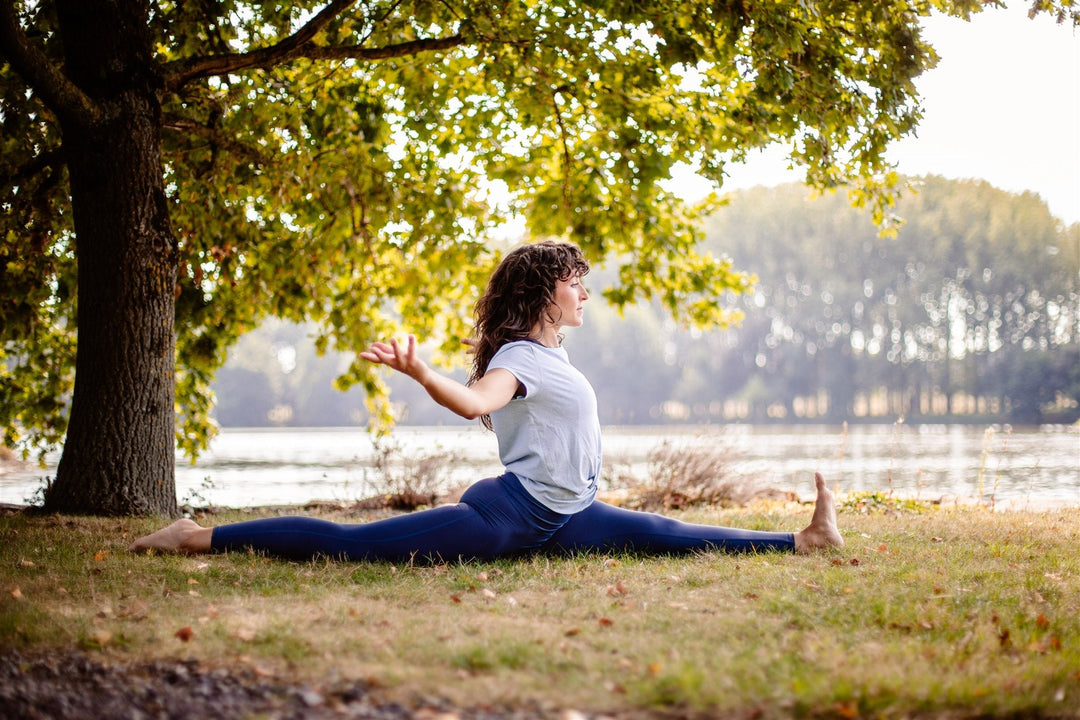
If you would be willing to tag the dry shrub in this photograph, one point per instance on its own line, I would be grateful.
(684, 475)
(406, 482)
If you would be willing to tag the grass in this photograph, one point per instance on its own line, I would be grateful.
(927, 612)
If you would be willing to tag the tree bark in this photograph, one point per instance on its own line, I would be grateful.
(119, 456)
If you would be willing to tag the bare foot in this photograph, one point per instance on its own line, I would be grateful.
(822, 531)
(183, 536)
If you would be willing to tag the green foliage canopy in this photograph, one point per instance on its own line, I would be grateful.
(349, 163)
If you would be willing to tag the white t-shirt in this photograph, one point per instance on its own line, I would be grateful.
(550, 436)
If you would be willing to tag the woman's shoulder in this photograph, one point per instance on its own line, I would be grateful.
(526, 350)
(517, 348)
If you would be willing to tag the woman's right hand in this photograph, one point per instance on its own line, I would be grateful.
(396, 357)
(491, 392)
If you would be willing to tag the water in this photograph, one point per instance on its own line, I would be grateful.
(1012, 467)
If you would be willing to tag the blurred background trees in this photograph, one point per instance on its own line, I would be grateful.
(971, 312)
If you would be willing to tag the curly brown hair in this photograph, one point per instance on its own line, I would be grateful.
(519, 296)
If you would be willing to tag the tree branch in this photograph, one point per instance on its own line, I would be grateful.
(568, 162)
(187, 127)
(193, 68)
(51, 159)
(53, 87)
(179, 73)
(298, 45)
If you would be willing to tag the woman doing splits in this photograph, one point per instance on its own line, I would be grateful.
(544, 415)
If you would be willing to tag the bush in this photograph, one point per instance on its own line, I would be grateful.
(407, 482)
(680, 476)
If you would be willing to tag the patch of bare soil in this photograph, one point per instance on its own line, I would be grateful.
(75, 686)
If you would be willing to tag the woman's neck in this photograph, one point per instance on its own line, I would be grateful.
(547, 335)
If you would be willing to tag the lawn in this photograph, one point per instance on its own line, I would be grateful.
(928, 611)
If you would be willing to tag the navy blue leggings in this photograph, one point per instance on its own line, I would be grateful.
(496, 517)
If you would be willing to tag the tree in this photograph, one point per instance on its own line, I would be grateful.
(976, 284)
(173, 172)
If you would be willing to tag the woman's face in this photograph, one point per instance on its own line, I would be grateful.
(569, 296)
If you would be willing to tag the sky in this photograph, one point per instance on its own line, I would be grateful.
(1002, 105)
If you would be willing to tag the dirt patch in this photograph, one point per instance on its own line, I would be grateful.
(75, 686)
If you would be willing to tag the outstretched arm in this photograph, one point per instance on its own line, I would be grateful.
(486, 395)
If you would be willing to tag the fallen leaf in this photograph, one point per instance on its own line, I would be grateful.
(482, 577)
(192, 581)
(16, 593)
(99, 556)
(882, 547)
(26, 563)
(432, 714)
(654, 668)
(572, 632)
(605, 622)
(244, 634)
(261, 670)
(847, 710)
(488, 593)
(853, 561)
(1041, 622)
(617, 589)
(184, 634)
(101, 637)
(456, 598)
(137, 610)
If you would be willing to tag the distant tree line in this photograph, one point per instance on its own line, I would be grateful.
(972, 312)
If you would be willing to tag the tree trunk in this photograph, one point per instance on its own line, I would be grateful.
(119, 456)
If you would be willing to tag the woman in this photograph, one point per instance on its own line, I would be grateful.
(543, 412)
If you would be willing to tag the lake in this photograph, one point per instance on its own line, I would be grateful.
(1011, 467)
